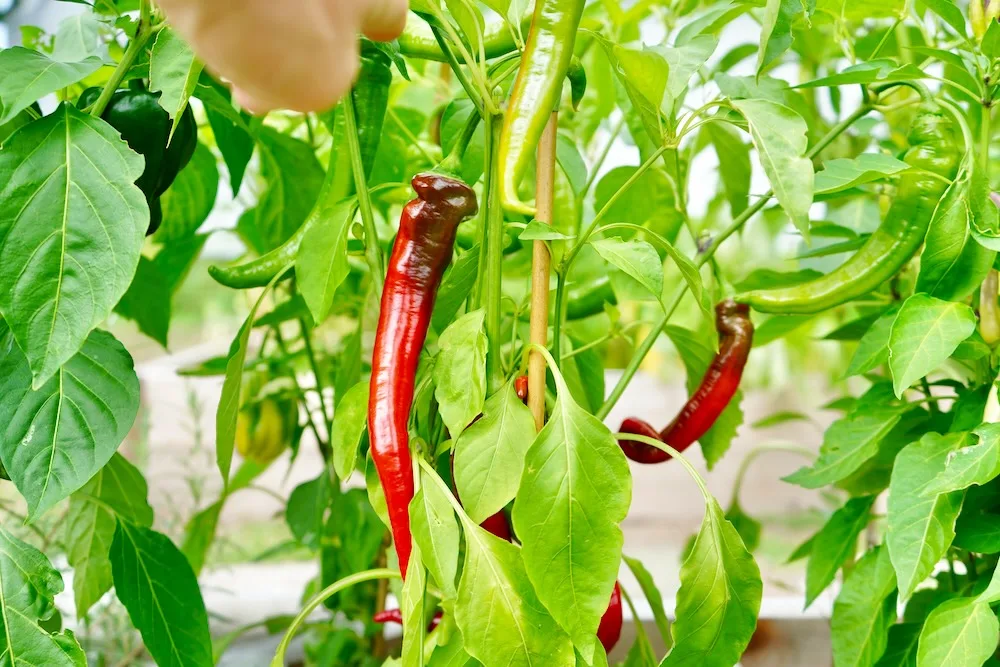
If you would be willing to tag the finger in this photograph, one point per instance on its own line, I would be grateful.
(384, 20)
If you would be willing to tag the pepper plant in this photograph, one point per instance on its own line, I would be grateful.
(443, 266)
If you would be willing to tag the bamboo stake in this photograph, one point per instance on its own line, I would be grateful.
(540, 262)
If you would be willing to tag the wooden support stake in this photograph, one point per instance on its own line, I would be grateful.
(540, 264)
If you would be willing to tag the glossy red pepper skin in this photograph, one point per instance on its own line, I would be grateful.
(721, 380)
(521, 387)
(420, 254)
(610, 628)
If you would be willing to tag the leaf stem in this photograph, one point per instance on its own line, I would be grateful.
(675, 454)
(326, 593)
(456, 67)
(143, 32)
(492, 262)
(372, 252)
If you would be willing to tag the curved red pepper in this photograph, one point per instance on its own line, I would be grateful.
(396, 616)
(610, 628)
(420, 254)
(722, 379)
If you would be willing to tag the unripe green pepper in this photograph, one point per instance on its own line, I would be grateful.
(146, 126)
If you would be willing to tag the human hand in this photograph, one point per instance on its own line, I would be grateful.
(298, 54)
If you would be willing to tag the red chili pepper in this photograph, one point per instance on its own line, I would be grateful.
(610, 628)
(722, 379)
(420, 254)
(521, 387)
(396, 616)
(497, 525)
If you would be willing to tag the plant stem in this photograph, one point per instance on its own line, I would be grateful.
(142, 34)
(326, 593)
(456, 67)
(492, 260)
(734, 226)
(324, 447)
(372, 252)
(985, 133)
(545, 171)
(327, 417)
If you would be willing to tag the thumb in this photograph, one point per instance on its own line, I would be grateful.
(384, 20)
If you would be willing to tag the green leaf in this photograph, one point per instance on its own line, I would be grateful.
(873, 348)
(321, 263)
(776, 30)
(697, 357)
(455, 288)
(118, 490)
(58, 437)
(77, 38)
(975, 464)
(683, 62)
(920, 527)
(460, 371)
(958, 632)
(864, 610)
(147, 301)
(719, 597)
(948, 11)
(734, 164)
(835, 543)
(28, 587)
(953, 263)
(992, 592)
(779, 134)
(846, 173)
(412, 605)
(991, 40)
(643, 74)
(575, 491)
(778, 418)
(924, 334)
(230, 128)
(294, 178)
(199, 534)
(489, 455)
(173, 71)
(901, 648)
(571, 162)
(191, 198)
(650, 200)
(70, 180)
(229, 401)
(653, 596)
(985, 217)
(637, 259)
(348, 425)
(746, 526)
(305, 512)
(27, 75)
(883, 70)
(500, 617)
(158, 588)
(435, 531)
(540, 231)
(847, 444)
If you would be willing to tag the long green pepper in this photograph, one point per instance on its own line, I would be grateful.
(546, 61)
(934, 160)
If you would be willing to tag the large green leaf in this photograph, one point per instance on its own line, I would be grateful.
(321, 263)
(958, 632)
(846, 173)
(349, 419)
(156, 584)
(72, 224)
(873, 348)
(436, 534)
(27, 75)
(58, 437)
(921, 526)
(28, 587)
(501, 619)
(637, 259)
(118, 490)
(734, 164)
(489, 455)
(924, 334)
(575, 491)
(952, 262)
(776, 32)
(779, 134)
(863, 612)
(901, 647)
(460, 371)
(975, 464)
(719, 597)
